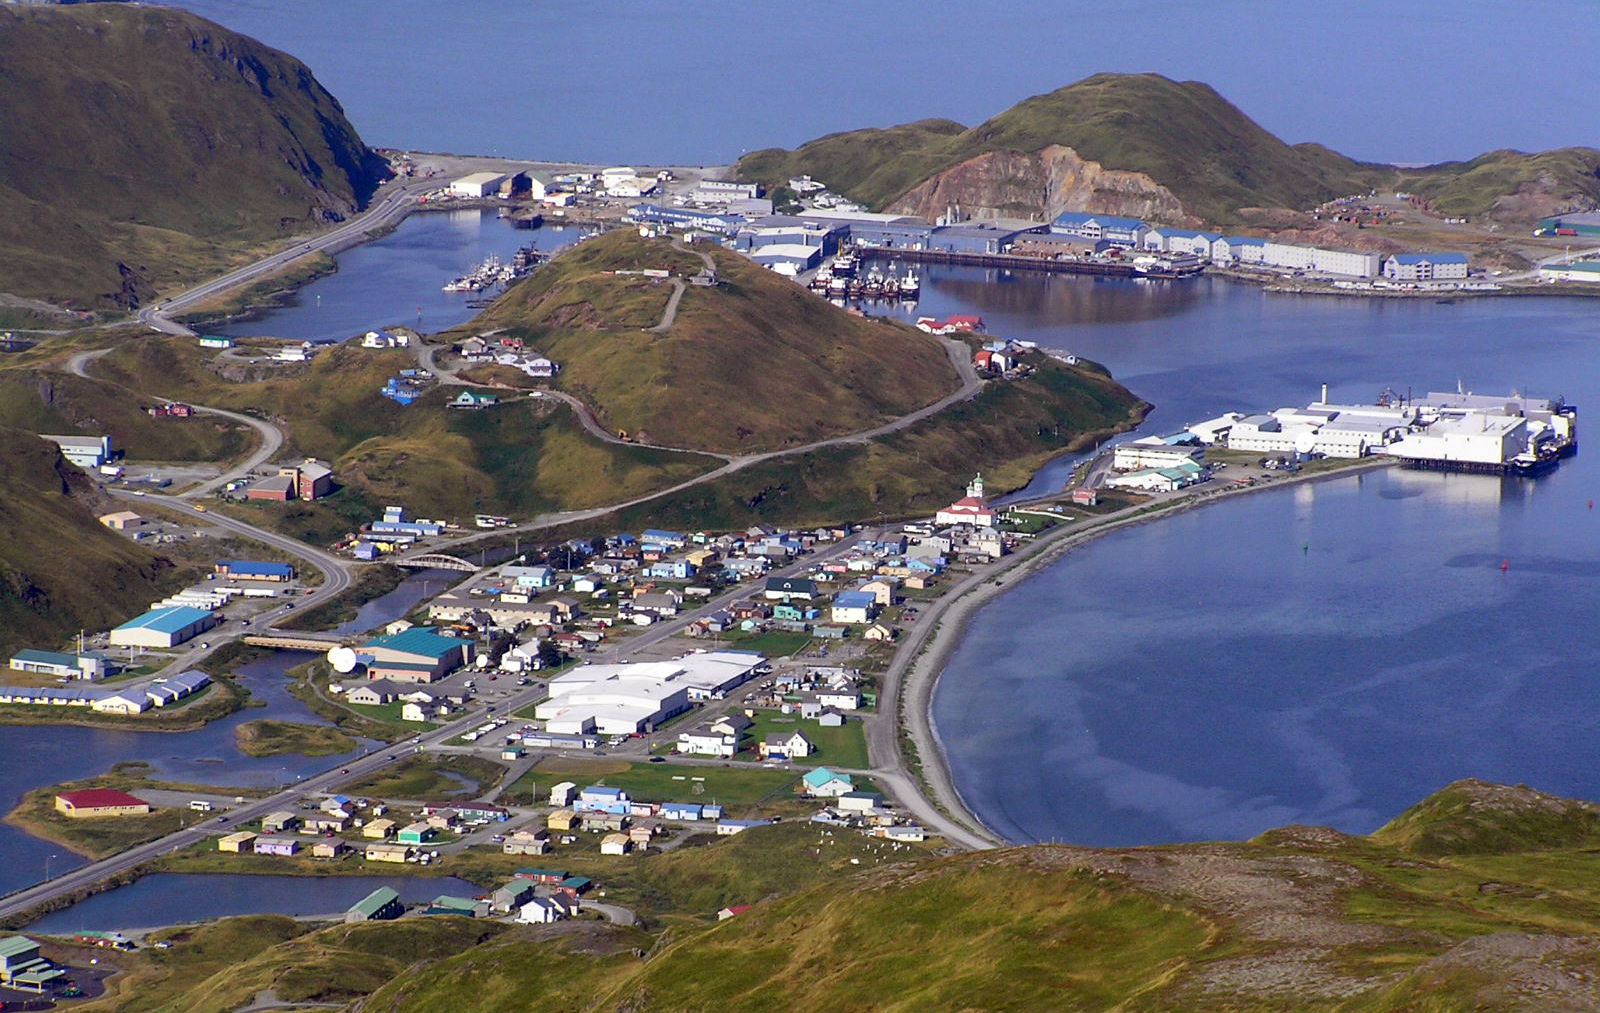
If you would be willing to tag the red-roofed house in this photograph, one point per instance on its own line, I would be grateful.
(729, 912)
(100, 802)
(970, 509)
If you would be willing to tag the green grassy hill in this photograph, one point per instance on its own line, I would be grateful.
(756, 363)
(43, 401)
(143, 146)
(1178, 140)
(1300, 919)
(60, 569)
(524, 457)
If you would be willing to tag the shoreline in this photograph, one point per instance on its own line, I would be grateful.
(918, 679)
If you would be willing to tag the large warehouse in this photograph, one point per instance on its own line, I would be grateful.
(163, 627)
(415, 655)
(1581, 223)
(622, 699)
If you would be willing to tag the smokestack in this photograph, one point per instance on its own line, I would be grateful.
(1324, 393)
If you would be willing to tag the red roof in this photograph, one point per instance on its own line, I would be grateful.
(970, 503)
(99, 798)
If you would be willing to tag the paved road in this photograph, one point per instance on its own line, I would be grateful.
(271, 435)
(395, 201)
(971, 386)
(670, 314)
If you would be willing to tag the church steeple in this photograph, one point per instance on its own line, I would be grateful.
(975, 487)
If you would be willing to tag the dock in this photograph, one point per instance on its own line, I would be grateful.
(1011, 261)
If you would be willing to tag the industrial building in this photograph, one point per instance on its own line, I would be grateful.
(478, 184)
(21, 966)
(787, 258)
(1116, 230)
(1153, 452)
(1577, 270)
(1581, 223)
(96, 802)
(980, 237)
(1426, 267)
(415, 655)
(626, 698)
(1186, 241)
(1478, 438)
(64, 666)
(685, 218)
(84, 451)
(122, 520)
(721, 191)
(163, 627)
(245, 569)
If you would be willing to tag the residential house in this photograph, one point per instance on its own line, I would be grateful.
(786, 746)
(708, 744)
(825, 783)
(398, 854)
(616, 844)
(854, 607)
(790, 589)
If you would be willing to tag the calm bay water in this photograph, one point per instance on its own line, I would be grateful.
(1327, 654)
(399, 279)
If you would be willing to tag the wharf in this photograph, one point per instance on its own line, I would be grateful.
(1013, 262)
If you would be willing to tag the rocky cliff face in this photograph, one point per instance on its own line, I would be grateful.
(1043, 184)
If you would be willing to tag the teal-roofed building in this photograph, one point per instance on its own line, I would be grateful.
(163, 627)
(64, 666)
(444, 904)
(825, 783)
(1579, 223)
(416, 655)
(381, 904)
(22, 967)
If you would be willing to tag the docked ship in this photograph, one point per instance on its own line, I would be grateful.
(1514, 435)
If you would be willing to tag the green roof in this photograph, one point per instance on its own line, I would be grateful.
(420, 640)
(822, 775)
(455, 903)
(1577, 265)
(15, 946)
(376, 901)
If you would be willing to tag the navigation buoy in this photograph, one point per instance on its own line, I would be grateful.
(1305, 549)
(1505, 564)
(1591, 504)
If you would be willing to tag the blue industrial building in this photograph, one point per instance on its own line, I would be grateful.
(1114, 229)
(685, 218)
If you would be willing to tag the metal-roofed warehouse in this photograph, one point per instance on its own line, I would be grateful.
(163, 627)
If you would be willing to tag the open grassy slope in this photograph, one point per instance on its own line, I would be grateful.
(756, 363)
(1178, 139)
(60, 569)
(143, 146)
(525, 456)
(43, 401)
(1303, 918)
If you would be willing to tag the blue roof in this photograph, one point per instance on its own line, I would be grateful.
(1104, 221)
(172, 619)
(854, 599)
(656, 534)
(1244, 241)
(418, 640)
(1430, 258)
(600, 789)
(238, 566)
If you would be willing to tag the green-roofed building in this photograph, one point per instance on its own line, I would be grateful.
(381, 904)
(415, 655)
(444, 904)
(22, 967)
(825, 783)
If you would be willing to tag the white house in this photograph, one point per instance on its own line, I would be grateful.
(792, 745)
(707, 744)
(842, 700)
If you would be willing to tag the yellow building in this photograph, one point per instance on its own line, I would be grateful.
(94, 802)
(397, 853)
(236, 843)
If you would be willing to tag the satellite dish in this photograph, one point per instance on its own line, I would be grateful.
(343, 660)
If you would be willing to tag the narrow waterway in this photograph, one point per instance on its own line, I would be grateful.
(170, 898)
(399, 278)
(41, 755)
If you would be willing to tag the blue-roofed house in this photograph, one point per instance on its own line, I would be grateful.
(415, 655)
(854, 607)
(599, 798)
(688, 811)
(1426, 267)
(163, 627)
(663, 539)
(536, 577)
(1113, 229)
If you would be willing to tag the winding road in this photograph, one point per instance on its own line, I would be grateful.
(395, 201)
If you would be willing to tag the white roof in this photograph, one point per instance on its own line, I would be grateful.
(481, 178)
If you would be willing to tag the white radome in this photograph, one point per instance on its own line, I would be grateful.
(343, 660)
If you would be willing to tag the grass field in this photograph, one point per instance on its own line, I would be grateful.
(421, 776)
(845, 746)
(772, 643)
(271, 738)
(656, 782)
